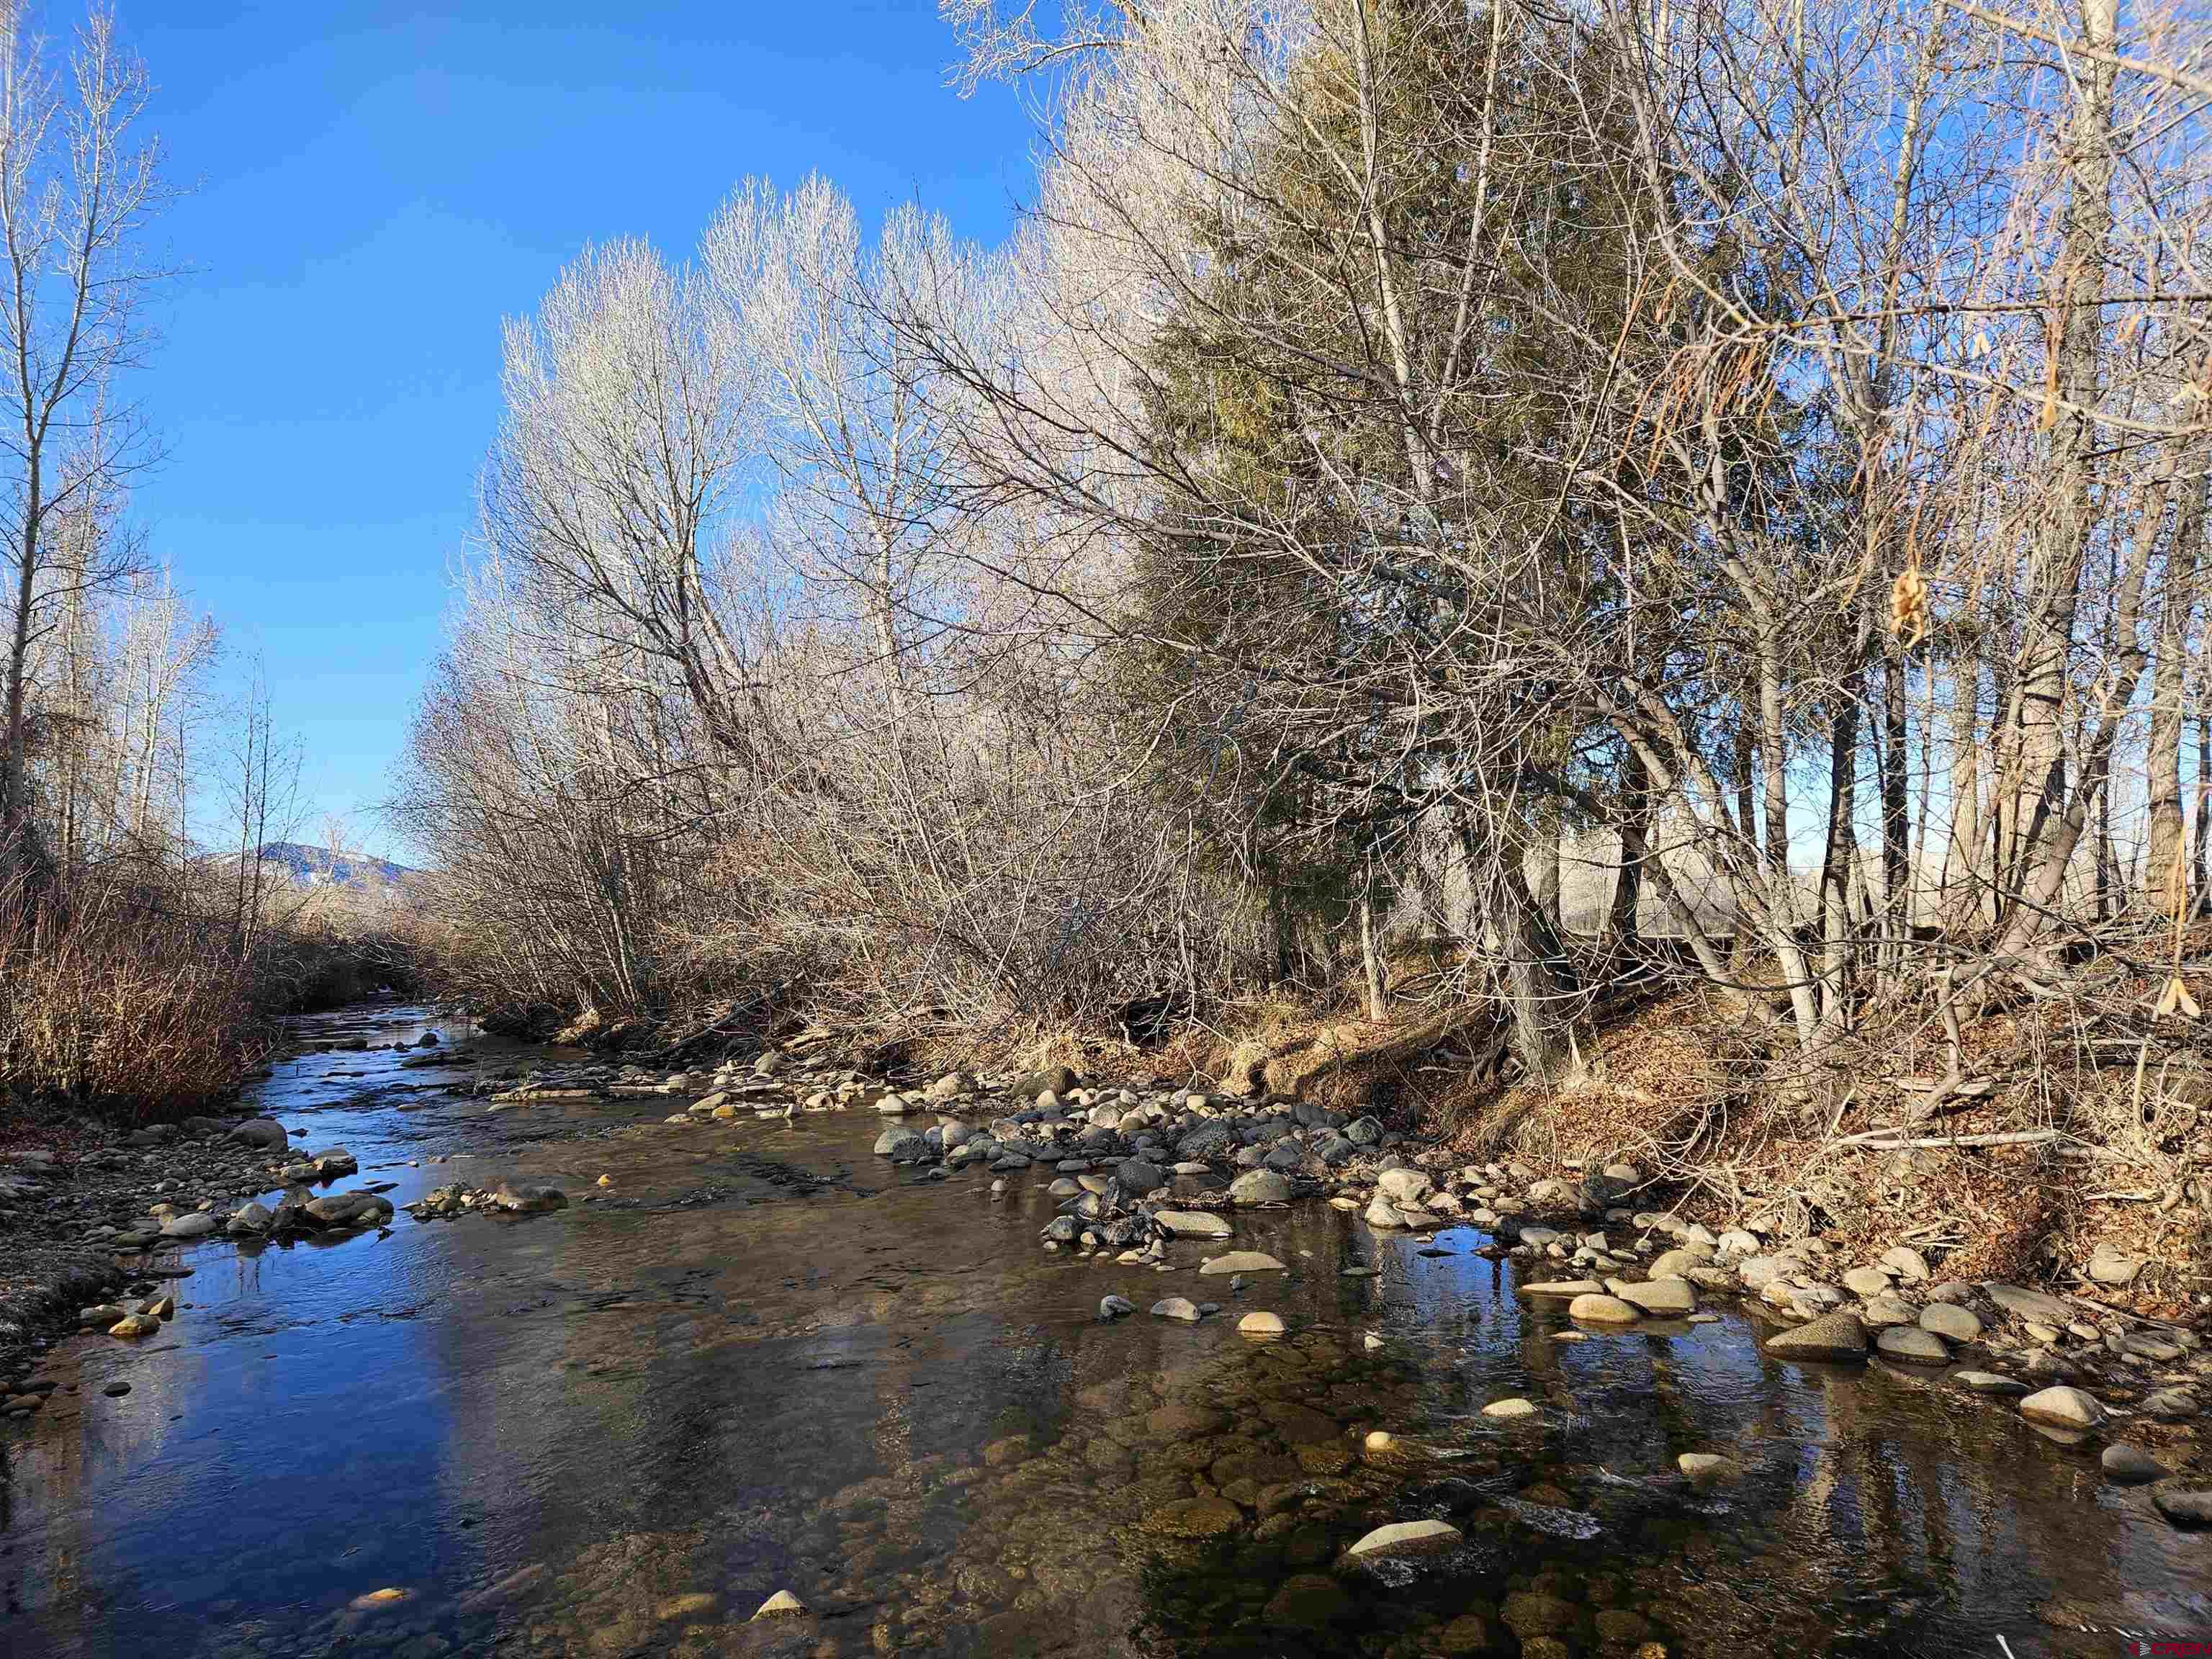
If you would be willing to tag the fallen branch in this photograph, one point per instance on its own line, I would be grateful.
(2017, 1137)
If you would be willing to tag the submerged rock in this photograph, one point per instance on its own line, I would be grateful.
(1191, 1223)
(1242, 1261)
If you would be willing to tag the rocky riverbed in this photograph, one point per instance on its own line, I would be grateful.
(786, 1357)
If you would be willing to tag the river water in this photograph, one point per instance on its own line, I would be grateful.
(762, 1358)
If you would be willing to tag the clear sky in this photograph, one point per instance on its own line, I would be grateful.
(373, 187)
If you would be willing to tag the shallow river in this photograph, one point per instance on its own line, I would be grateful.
(764, 1359)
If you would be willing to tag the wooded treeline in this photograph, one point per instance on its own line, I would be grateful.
(1743, 462)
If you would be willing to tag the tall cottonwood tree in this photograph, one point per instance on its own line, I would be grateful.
(80, 184)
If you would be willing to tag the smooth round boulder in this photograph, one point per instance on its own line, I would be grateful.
(2063, 1407)
(1912, 1345)
(1260, 1324)
(1259, 1187)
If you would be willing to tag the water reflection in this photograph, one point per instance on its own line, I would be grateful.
(618, 1428)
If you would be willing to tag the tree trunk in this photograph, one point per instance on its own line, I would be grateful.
(2070, 414)
(1620, 925)
(2168, 876)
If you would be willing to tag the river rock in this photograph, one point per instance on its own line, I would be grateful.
(1140, 1177)
(2131, 1466)
(334, 1212)
(1601, 1310)
(263, 1134)
(528, 1201)
(1115, 1307)
(1260, 1187)
(1176, 1307)
(1989, 1383)
(1508, 1409)
(1569, 1287)
(2038, 1306)
(781, 1605)
(2170, 1405)
(1665, 1298)
(1908, 1263)
(2110, 1266)
(1912, 1344)
(2063, 1407)
(1404, 1538)
(1384, 1214)
(1708, 1467)
(1191, 1223)
(1404, 1186)
(250, 1220)
(1308, 1600)
(1677, 1262)
(1950, 1321)
(2184, 1506)
(196, 1225)
(1260, 1324)
(1879, 1312)
(134, 1325)
(1866, 1281)
(1208, 1141)
(1832, 1336)
(1242, 1261)
(336, 1162)
(1193, 1518)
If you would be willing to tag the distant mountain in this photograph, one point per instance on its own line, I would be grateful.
(315, 866)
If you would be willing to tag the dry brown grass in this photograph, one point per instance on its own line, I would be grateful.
(110, 998)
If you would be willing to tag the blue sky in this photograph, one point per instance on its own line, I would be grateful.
(373, 189)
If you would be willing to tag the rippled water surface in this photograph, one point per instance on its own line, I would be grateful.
(763, 1358)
